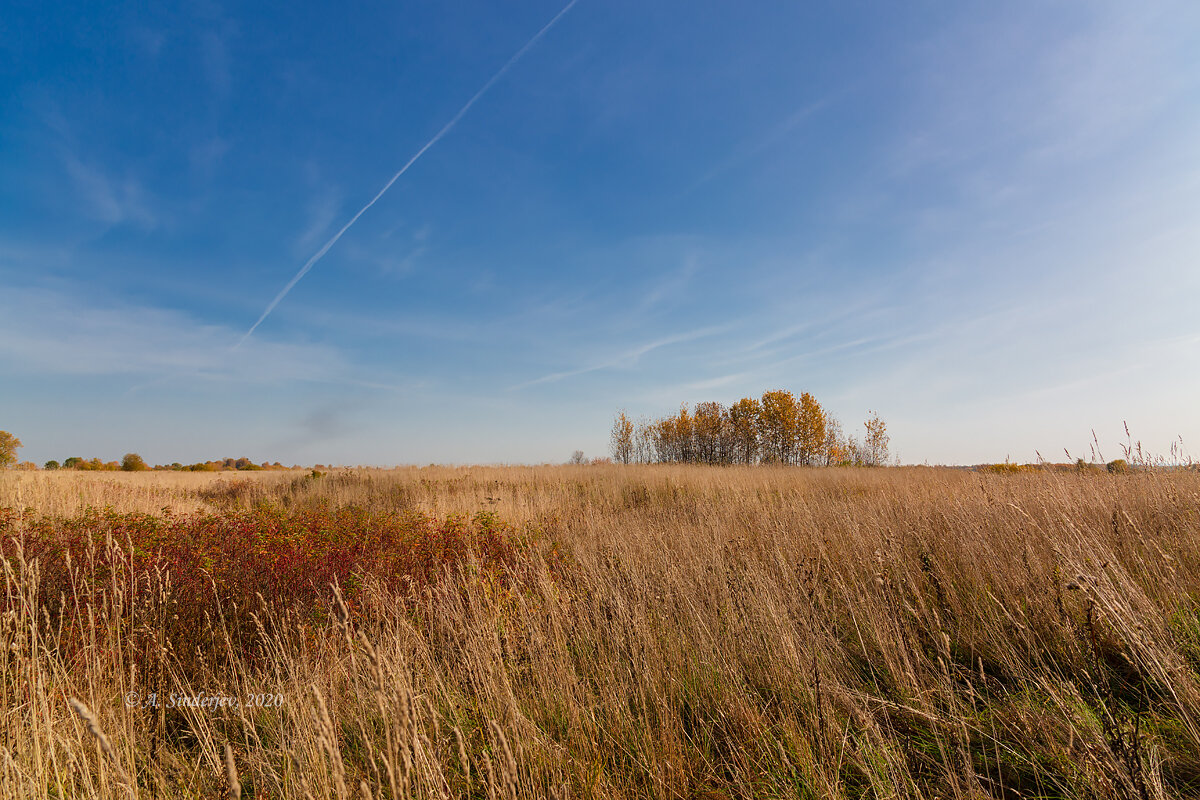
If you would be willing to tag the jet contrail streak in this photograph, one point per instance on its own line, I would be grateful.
(308, 265)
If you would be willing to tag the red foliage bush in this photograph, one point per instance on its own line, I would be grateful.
(196, 571)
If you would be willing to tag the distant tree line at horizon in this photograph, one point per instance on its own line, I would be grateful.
(778, 428)
(132, 462)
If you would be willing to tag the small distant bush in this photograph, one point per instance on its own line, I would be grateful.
(1007, 468)
(132, 462)
(1118, 467)
(51, 464)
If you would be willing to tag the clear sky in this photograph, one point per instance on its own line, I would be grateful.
(980, 219)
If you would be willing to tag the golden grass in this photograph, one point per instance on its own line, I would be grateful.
(704, 632)
(66, 492)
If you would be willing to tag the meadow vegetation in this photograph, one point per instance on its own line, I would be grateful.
(674, 631)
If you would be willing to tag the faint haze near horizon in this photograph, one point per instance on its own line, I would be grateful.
(979, 221)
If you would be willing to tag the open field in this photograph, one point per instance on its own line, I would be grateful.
(604, 631)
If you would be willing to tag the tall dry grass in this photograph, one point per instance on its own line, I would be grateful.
(671, 632)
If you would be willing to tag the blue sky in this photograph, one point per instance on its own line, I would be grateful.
(978, 219)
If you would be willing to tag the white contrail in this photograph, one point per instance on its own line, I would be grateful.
(445, 129)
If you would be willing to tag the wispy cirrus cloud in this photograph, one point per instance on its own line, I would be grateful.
(754, 146)
(322, 210)
(625, 358)
(671, 286)
(1030, 101)
(113, 200)
(47, 331)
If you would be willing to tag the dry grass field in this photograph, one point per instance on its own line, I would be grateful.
(601, 631)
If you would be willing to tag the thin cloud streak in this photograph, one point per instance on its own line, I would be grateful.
(445, 129)
(748, 151)
(632, 355)
(110, 200)
(46, 332)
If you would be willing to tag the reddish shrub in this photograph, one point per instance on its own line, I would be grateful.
(189, 572)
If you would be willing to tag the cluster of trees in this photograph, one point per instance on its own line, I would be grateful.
(778, 428)
(132, 462)
(242, 464)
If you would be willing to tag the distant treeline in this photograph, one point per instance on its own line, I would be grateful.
(777, 428)
(1118, 467)
(132, 462)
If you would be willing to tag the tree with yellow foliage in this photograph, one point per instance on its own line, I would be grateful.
(621, 438)
(810, 431)
(673, 437)
(9, 445)
(708, 433)
(778, 422)
(743, 425)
